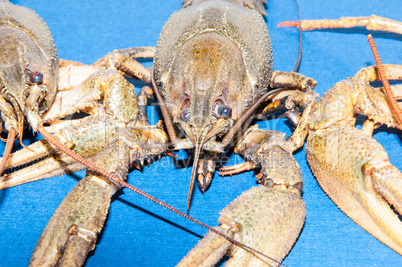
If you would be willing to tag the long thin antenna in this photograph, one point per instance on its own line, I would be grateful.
(240, 121)
(296, 69)
(197, 152)
(115, 179)
(387, 87)
(165, 113)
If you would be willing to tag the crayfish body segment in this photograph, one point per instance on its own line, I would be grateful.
(207, 62)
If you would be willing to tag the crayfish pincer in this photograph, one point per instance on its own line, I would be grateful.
(28, 70)
(350, 166)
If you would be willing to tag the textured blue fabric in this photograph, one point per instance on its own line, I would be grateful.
(140, 233)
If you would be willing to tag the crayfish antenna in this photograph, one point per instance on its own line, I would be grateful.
(193, 174)
(387, 87)
(295, 24)
(299, 56)
(7, 150)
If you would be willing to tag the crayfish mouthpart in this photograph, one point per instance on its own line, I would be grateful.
(204, 181)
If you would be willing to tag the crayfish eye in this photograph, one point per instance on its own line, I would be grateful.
(36, 77)
(185, 110)
(33, 77)
(224, 111)
(185, 115)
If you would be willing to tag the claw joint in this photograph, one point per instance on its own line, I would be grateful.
(85, 234)
(377, 162)
(229, 224)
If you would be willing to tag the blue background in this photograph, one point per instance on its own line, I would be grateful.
(140, 233)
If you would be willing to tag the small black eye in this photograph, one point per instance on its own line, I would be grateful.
(224, 111)
(185, 115)
(36, 77)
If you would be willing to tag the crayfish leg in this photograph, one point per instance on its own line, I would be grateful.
(7, 150)
(46, 168)
(79, 90)
(124, 60)
(370, 73)
(291, 80)
(66, 63)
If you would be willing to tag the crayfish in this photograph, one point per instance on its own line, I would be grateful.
(327, 67)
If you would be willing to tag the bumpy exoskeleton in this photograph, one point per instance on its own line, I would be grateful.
(212, 66)
(213, 62)
(350, 166)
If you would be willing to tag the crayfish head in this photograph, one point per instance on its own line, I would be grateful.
(24, 76)
(204, 117)
(206, 87)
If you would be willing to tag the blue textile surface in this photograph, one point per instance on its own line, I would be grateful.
(140, 233)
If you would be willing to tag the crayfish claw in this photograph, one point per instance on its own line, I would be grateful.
(75, 224)
(268, 217)
(355, 172)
